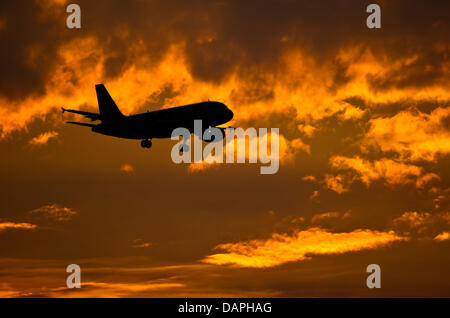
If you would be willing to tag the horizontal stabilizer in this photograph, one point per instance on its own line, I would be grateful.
(81, 124)
(91, 116)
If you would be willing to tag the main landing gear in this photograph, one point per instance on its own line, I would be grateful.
(146, 143)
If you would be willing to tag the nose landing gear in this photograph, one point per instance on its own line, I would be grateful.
(146, 143)
(183, 148)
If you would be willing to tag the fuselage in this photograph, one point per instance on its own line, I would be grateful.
(161, 123)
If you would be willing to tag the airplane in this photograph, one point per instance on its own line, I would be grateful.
(152, 124)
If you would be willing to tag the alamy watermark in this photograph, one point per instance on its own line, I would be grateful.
(73, 21)
(74, 279)
(240, 145)
(374, 279)
(373, 21)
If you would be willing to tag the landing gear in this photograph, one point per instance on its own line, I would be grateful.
(210, 134)
(183, 148)
(146, 143)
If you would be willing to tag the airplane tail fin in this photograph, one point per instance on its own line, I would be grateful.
(108, 109)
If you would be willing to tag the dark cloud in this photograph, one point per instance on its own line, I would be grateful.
(422, 71)
(29, 43)
(222, 36)
(445, 122)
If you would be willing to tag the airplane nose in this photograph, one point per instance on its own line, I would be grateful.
(230, 114)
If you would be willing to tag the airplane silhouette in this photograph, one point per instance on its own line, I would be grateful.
(154, 124)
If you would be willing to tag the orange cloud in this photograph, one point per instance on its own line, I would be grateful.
(390, 171)
(127, 168)
(338, 183)
(93, 289)
(283, 248)
(287, 150)
(43, 138)
(322, 216)
(6, 291)
(201, 166)
(308, 130)
(140, 243)
(416, 219)
(413, 219)
(309, 178)
(413, 135)
(13, 225)
(298, 81)
(314, 196)
(424, 225)
(443, 236)
(363, 66)
(55, 212)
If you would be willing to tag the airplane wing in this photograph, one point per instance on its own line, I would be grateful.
(91, 116)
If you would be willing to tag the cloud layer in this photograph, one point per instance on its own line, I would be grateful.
(282, 248)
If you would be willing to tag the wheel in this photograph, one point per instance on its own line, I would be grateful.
(184, 148)
(146, 143)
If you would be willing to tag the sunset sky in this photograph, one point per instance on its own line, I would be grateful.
(364, 123)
